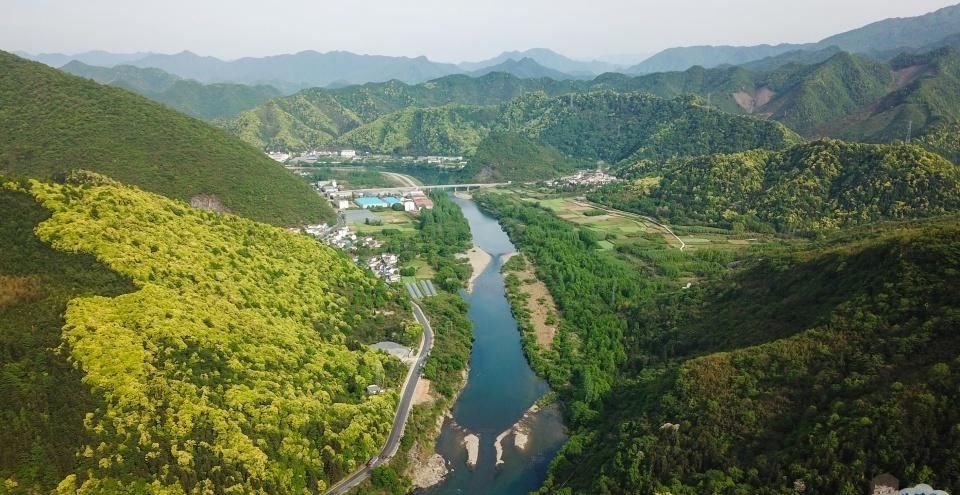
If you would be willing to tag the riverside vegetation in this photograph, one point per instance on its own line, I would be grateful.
(440, 235)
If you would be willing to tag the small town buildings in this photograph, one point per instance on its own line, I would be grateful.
(341, 204)
(373, 389)
(409, 205)
(348, 153)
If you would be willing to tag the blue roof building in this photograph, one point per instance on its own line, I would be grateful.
(369, 202)
(391, 200)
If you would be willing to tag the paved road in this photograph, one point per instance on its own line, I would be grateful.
(403, 410)
(627, 214)
(404, 180)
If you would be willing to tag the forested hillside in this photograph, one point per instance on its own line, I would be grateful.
(809, 188)
(609, 126)
(812, 371)
(451, 130)
(316, 117)
(208, 352)
(506, 156)
(56, 122)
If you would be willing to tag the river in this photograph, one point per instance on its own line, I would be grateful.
(500, 389)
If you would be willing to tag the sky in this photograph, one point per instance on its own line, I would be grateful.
(442, 30)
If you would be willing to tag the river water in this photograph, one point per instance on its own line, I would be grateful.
(500, 389)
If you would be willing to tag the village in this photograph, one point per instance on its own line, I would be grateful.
(331, 156)
(589, 178)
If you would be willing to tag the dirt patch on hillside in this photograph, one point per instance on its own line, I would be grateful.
(421, 394)
(16, 289)
(209, 203)
(753, 102)
(907, 75)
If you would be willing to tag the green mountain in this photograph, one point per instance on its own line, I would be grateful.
(213, 101)
(806, 98)
(449, 130)
(924, 95)
(150, 347)
(506, 156)
(846, 96)
(316, 117)
(136, 79)
(609, 126)
(815, 187)
(808, 371)
(56, 122)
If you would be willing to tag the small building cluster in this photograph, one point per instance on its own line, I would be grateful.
(354, 156)
(342, 199)
(591, 178)
(385, 267)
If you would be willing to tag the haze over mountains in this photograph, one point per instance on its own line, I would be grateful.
(291, 72)
(878, 37)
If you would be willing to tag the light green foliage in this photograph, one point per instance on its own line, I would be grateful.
(229, 368)
(56, 122)
(809, 188)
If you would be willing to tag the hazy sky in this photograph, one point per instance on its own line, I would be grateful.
(446, 30)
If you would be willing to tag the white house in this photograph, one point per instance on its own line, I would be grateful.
(409, 206)
(348, 153)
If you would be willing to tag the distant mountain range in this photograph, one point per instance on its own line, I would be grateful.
(204, 101)
(291, 72)
(525, 68)
(548, 59)
(884, 36)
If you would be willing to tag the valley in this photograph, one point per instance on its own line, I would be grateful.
(725, 269)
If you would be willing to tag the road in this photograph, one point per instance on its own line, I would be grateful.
(634, 216)
(403, 409)
(404, 180)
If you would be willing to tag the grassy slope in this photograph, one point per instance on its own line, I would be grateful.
(55, 122)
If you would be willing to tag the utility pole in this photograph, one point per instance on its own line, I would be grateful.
(909, 131)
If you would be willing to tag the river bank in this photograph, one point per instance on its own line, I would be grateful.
(501, 388)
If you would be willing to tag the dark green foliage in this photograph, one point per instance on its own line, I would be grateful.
(509, 156)
(42, 400)
(56, 122)
(829, 366)
(809, 188)
(617, 126)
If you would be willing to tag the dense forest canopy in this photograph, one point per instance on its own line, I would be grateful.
(55, 122)
(809, 188)
(235, 364)
(819, 368)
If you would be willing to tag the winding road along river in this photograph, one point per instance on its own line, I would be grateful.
(500, 389)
